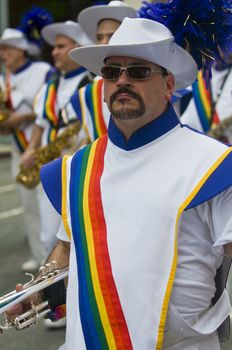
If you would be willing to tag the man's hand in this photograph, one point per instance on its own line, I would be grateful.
(228, 249)
(15, 120)
(22, 307)
(28, 158)
(12, 122)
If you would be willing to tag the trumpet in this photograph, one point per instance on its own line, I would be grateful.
(51, 283)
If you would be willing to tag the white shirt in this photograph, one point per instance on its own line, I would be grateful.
(65, 90)
(25, 85)
(222, 98)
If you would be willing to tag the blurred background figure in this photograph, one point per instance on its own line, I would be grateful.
(63, 37)
(51, 117)
(100, 22)
(50, 109)
(209, 109)
(21, 80)
(87, 103)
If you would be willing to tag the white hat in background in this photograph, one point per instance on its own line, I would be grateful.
(153, 42)
(115, 10)
(69, 28)
(14, 38)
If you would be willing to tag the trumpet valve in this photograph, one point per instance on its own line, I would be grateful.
(30, 317)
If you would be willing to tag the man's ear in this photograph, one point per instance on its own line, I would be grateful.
(170, 86)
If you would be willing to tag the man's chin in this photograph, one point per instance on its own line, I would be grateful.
(127, 113)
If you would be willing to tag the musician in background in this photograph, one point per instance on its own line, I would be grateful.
(20, 82)
(50, 107)
(51, 116)
(99, 22)
(103, 21)
(210, 106)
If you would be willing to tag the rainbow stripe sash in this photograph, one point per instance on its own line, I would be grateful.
(18, 135)
(88, 106)
(94, 100)
(50, 109)
(20, 140)
(204, 103)
(102, 318)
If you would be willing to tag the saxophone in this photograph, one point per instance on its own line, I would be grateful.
(30, 177)
(4, 111)
(218, 130)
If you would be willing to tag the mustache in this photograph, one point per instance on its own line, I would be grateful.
(124, 90)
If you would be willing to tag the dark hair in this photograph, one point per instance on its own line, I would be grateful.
(164, 71)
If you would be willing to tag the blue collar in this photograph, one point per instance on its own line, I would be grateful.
(23, 67)
(74, 73)
(148, 133)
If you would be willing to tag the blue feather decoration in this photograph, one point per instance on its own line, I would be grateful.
(202, 27)
(32, 22)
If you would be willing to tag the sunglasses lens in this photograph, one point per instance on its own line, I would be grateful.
(139, 72)
(133, 72)
(110, 72)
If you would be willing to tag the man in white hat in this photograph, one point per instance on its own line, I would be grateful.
(99, 22)
(146, 209)
(20, 82)
(50, 106)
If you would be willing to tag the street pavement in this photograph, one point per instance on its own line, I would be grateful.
(13, 252)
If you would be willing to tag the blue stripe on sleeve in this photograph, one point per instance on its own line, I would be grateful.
(51, 177)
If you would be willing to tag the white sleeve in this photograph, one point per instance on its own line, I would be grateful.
(190, 116)
(216, 214)
(61, 234)
(221, 208)
(39, 107)
(224, 103)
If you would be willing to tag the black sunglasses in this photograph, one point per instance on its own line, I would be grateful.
(136, 72)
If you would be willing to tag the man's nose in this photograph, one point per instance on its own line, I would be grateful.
(123, 78)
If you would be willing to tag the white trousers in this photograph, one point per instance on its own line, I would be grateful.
(50, 221)
(29, 200)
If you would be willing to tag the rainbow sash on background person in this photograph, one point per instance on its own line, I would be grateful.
(18, 135)
(102, 318)
(88, 106)
(93, 96)
(20, 140)
(204, 103)
(50, 113)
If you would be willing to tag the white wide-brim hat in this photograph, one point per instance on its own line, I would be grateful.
(69, 28)
(144, 39)
(91, 16)
(14, 38)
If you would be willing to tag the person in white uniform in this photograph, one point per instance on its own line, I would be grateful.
(145, 209)
(50, 109)
(220, 102)
(20, 82)
(99, 22)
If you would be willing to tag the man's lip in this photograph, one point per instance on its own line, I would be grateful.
(123, 95)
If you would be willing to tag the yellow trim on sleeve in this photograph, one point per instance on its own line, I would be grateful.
(64, 197)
